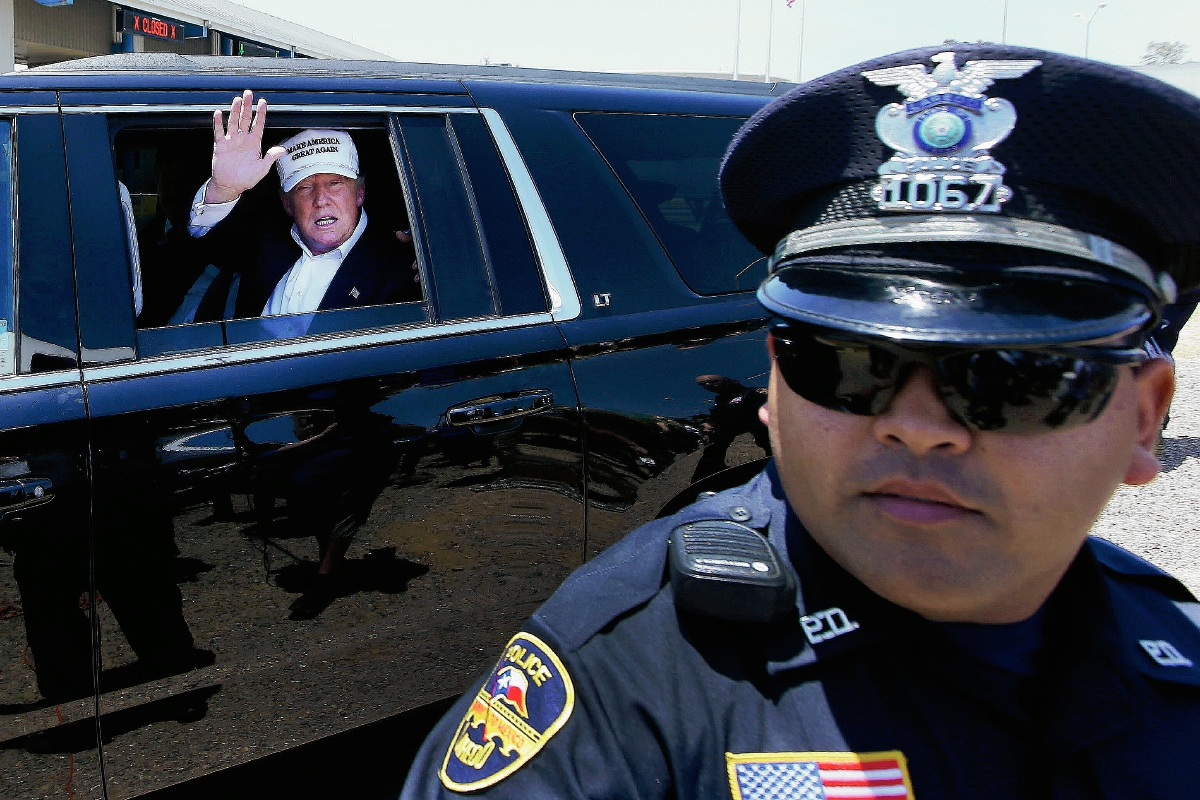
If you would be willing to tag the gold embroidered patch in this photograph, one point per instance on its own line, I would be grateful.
(526, 700)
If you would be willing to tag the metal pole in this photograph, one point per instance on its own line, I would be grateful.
(737, 40)
(1004, 25)
(770, 36)
(800, 57)
(1087, 28)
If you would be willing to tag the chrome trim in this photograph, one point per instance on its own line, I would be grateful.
(564, 298)
(325, 343)
(40, 380)
(969, 228)
(5, 110)
(208, 108)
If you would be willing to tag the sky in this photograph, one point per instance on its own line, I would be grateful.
(698, 35)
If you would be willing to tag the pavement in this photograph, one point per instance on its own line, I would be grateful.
(1161, 520)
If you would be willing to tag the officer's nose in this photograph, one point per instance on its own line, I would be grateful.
(919, 420)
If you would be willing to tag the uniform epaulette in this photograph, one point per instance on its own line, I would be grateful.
(630, 573)
(1121, 562)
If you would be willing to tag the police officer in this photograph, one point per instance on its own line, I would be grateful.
(969, 249)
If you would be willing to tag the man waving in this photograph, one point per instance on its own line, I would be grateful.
(331, 257)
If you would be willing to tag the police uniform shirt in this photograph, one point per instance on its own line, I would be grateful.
(612, 691)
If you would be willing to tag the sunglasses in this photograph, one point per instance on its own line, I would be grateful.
(1013, 390)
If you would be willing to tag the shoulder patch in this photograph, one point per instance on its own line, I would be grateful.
(526, 700)
(816, 776)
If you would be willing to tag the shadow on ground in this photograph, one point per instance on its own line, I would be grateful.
(80, 735)
(1177, 449)
(378, 571)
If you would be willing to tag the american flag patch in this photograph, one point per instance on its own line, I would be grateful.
(818, 776)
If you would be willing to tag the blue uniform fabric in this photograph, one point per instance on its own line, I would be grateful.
(1014, 647)
(661, 695)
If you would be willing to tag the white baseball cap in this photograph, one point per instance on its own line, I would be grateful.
(313, 151)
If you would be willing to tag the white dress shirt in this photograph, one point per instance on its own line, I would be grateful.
(302, 287)
(205, 216)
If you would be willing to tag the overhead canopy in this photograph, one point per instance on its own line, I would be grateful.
(238, 21)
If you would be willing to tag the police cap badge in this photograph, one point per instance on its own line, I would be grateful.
(527, 698)
(982, 196)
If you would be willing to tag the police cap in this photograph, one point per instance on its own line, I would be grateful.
(973, 195)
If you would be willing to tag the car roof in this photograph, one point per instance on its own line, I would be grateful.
(170, 70)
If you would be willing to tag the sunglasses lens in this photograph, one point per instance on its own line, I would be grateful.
(854, 377)
(1020, 391)
(1017, 391)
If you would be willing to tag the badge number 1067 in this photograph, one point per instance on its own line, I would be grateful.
(927, 191)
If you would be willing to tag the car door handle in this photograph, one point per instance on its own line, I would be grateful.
(22, 494)
(497, 408)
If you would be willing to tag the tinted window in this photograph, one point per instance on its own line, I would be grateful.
(8, 342)
(506, 240)
(669, 166)
(102, 233)
(46, 293)
(449, 219)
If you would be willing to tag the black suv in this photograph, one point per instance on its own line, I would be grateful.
(586, 353)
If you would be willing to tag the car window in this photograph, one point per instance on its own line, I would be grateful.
(196, 290)
(449, 215)
(48, 338)
(669, 165)
(506, 241)
(8, 341)
(447, 195)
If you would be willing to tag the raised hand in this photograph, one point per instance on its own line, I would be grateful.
(238, 161)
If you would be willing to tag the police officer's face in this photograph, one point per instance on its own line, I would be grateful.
(955, 524)
(325, 207)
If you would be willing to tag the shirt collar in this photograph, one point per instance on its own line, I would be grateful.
(343, 249)
(836, 612)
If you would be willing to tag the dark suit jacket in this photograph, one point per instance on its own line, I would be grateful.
(257, 244)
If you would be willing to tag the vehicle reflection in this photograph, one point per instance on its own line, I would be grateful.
(658, 421)
(50, 569)
(734, 412)
(47, 701)
(346, 551)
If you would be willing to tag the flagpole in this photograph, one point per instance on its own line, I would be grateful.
(770, 32)
(737, 40)
(800, 57)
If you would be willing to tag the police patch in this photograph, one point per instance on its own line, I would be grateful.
(818, 776)
(526, 700)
